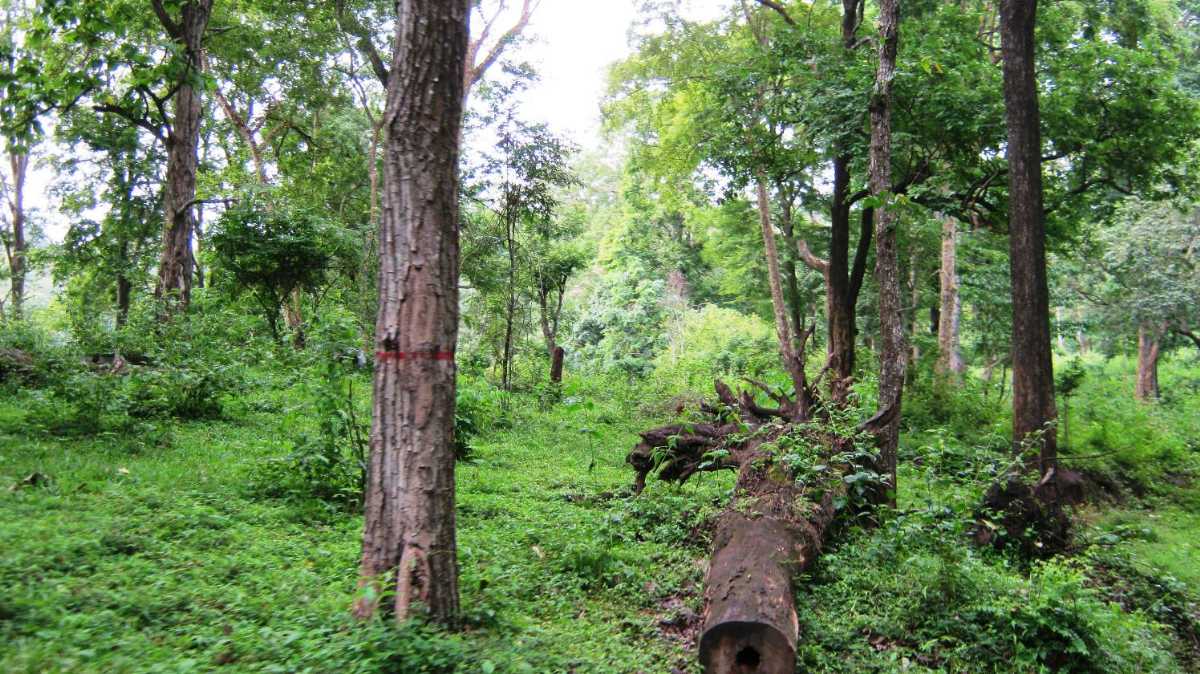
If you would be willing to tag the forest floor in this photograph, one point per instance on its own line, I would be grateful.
(121, 557)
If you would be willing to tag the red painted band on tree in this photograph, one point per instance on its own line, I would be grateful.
(414, 355)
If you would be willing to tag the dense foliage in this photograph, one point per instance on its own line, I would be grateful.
(181, 488)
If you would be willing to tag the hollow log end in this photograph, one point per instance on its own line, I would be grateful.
(746, 648)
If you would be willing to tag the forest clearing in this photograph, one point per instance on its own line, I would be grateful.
(722, 336)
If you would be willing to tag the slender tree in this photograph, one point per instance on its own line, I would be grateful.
(1034, 411)
(410, 521)
(15, 244)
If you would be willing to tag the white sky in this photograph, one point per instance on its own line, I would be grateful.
(575, 41)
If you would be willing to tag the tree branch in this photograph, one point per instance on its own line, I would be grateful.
(173, 29)
(811, 260)
(155, 130)
(778, 9)
(351, 25)
(1190, 335)
(475, 72)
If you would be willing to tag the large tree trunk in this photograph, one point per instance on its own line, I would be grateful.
(1034, 411)
(771, 531)
(410, 519)
(1149, 340)
(892, 355)
(950, 363)
(176, 264)
(17, 248)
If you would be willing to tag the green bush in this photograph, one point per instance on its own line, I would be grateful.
(944, 606)
(31, 357)
(481, 410)
(1131, 442)
(713, 342)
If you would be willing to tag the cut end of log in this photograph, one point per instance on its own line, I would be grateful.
(746, 648)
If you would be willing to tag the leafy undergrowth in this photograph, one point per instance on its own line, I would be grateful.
(122, 558)
(127, 556)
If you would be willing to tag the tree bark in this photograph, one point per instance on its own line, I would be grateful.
(788, 227)
(791, 357)
(892, 355)
(176, 264)
(950, 363)
(410, 505)
(839, 309)
(1034, 411)
(1149, 347)
(556, 365)
(17, 246)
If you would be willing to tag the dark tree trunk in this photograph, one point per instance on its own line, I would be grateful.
(556, 365)
(510, 307)
(1149, 341)
(124, 293)
(410, 518)
(1034, 410)
(17, 247)
(839, 306)
(176, 264)
(893, 354)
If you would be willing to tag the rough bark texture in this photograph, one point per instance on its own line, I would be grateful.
(950, 363)
(410, 519)
(770, 532)
(838, 304)
(1149, 339)
(16, 245)
(176, 264)
(1034, 411)
(893, 354)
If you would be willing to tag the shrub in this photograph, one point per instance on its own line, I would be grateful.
(713, 342)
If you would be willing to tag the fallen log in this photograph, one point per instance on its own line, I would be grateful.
(770, 532)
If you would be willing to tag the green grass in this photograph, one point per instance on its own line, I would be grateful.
(130, 556)
(166, 560)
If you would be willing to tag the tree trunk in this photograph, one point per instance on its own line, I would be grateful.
(1034, 410)
(176, 264)
(792, 360)
(950, 363)
(124, 293)
(771, 531)
(410, 519)
(552, 290)
(18, 247)
(1149, 340)
(892, 355)
(914, 289)
(510, 307)
(556, 365)
(788, 227)
(838, 304)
